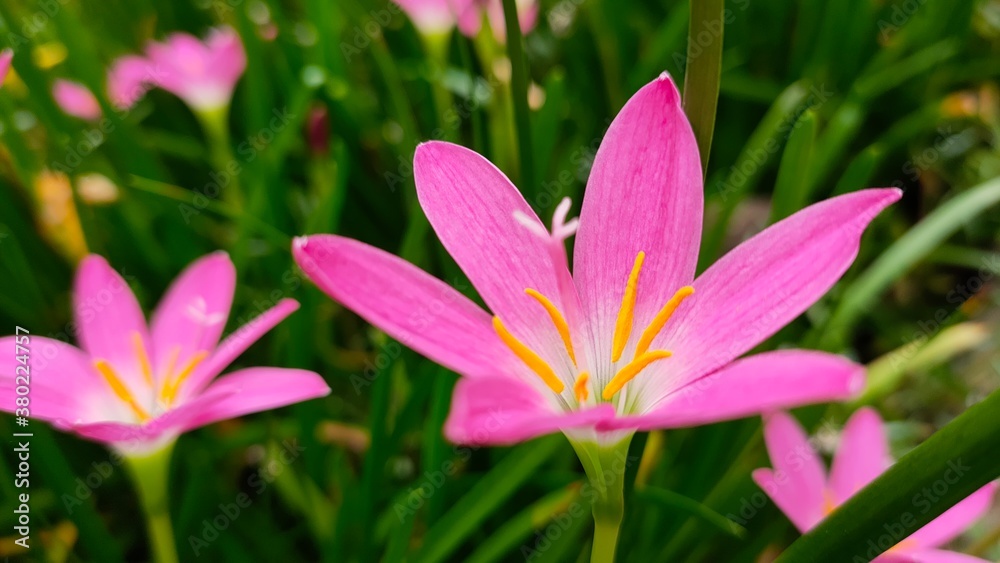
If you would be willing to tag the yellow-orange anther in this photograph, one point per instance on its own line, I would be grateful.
(557, 319)
(580, 387)
(531, 359)
(122, 392)
(661, 318)
(623, 326)
(631, 370)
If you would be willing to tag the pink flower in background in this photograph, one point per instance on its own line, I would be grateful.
(202, 73)
(629, 340)
(6, 57)
(138, 386)
(128, 80)
(800, 487)
(434, 17)
(76, 100)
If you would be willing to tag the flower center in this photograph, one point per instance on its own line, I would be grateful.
(641, 358)
(171, 385)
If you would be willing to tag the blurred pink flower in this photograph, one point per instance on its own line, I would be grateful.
(799, 485)
(6, 56)
(137, 386)
(202, 73)
(128, 80)
(76, 100)
(629, 340)
(434, 17)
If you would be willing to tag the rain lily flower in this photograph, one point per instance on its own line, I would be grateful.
(439, 17)
(202, 73)
(128, 80)
(136, 387)
(801, 488)
(629, 340)
(76, 99)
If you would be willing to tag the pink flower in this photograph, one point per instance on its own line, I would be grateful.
(6, 57)
(203, 74)
(76, 100)
(128, 80)
(799, 485)
(629, 340)
(433, 17)
(137, 386)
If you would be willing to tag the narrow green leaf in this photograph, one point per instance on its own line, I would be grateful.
(675, 501)
(790, 189)
(704, 70)
(485, 497)
(519, 91)
(912, 247)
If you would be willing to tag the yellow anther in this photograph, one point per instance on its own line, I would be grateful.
(661, 319)
(557, 319)
(140, 352)
(631, 370)
(531, 359)
(119, 389)
(623, 326)
(169, 392)
(580, 387)
(828, 503)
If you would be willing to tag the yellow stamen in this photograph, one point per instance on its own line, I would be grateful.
(140, 352)
(531, 359)
(580, 387)
(557, 319)
(661, 319)
(623, 326)
(631, 370)
(119, 389)
(170, 390)
(828, 503)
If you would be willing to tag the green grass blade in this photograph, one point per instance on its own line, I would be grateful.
(519, 90)
(791, 188)
(704, 71)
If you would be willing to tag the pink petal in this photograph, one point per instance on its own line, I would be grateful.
(235, 344)
(6, 56)
(862, 456)
(527, 18)
(958, 518)
(191, 316)
(418, 310)
(433, 16)
(937, 556)
(253, 390)
(128, 80)
(63, 384)
(76, 100)
(229, 60)
(757, 384)
(109, 320)
(644, 194)
(470, 19)
(503, 411)
(472, 206)
(797, 483)
(767, 281)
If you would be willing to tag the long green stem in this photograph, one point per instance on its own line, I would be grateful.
(605, 467)
(150, 472)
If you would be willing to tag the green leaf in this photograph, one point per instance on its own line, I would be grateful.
(704, 71)
(791, 188)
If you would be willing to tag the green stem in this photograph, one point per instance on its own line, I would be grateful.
(605, 467)
(215, 124)
(151, 472)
